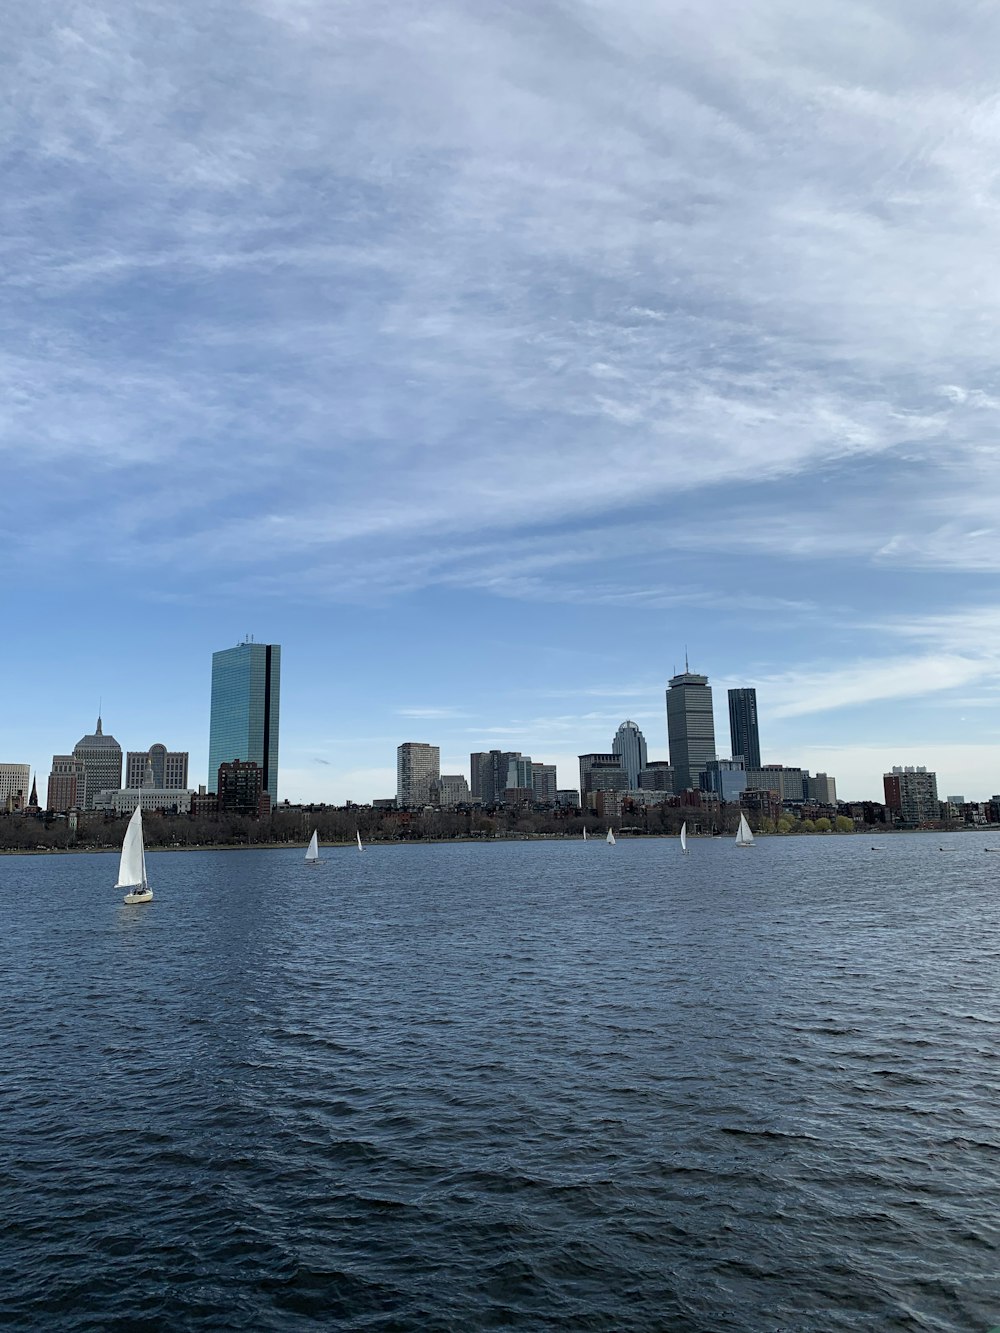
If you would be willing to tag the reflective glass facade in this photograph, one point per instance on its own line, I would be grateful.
(246, 685)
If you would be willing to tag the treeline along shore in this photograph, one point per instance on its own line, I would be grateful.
(291, 825)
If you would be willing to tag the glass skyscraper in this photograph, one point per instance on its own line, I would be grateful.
(743, 734)
(246, 687)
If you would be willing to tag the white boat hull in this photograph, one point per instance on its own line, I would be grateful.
(139, 896)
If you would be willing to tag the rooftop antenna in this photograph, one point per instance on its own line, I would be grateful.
(686, 667)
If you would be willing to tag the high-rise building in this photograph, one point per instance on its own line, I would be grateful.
(497, 771)
(743, 734)
(246, 693)
(14, 780)
(65, 783)
(418, 769)
(658, 775)
(543, 782)
(911, 794)
(690, 728)
(450, 789)
(170, 767)
(600, 772)
(101, 757)
(726, 777)
(629, 745)
(240, 788)
(821, 788)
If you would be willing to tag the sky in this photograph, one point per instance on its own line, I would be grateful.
(490, 359)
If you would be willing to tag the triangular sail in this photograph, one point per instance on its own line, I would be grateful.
(360, 844)
(313, 853)
(744, 838)
(684, 836)
(132, 866)
(611, 838)
(585, 832)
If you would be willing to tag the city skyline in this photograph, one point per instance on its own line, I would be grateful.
(591, 334)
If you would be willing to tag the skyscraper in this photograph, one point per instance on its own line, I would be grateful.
(418, 769)
(170, 767)
(629, 745)
(246, 689)
(743, 734)
(690, 727)
(101, 757)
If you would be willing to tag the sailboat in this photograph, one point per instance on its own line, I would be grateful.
(585, 832)
(684, 837)
(744, 838)
(132, 866)
(611, 838)
(360, 845)
(312, 855)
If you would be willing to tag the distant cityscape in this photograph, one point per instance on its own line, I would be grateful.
(97, 777)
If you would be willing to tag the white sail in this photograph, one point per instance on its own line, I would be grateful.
(360, 844)
(611, 838)
(132, 866)
(585, 832)
(313, 853)
(684, 836)
(744, 838)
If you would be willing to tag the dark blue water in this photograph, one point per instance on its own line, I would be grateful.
(522, 1085)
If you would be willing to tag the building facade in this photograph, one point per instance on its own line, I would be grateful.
(600, 772)
(170, 767)
(450, 789)
(240, 789)
(658, 775)
(911, 794)
(543, 783)
(14, 780)
(690, 727)
(726, 777)
(744, 736)
(418, 770)
(246, 707)
(494, 772)
(629, 745)
(101, 757)
(65, 784)
(822, 789)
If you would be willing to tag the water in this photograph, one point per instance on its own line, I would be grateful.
(515, 1085)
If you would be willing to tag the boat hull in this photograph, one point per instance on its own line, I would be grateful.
(139, 896)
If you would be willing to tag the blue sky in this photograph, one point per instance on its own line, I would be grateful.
(487, 356)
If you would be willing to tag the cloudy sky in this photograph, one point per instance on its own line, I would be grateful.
(489, 356)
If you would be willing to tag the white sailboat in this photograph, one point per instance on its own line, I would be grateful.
(360, 844)
(312, 854)
(585, 832)
(744, 838)
(611, 838)
(684, 837)
(132, 866)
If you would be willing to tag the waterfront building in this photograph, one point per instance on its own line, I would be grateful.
(601, 772)
(911, 794)
(14, 779)
(418, 767)
(450, 789)
(246, 697)
(567, 798)
(658, 775)
(543, 782)
(240, 789)
(690, 727)
(65, 790)
(743, 734)
(101, 758)
(629, 745)
(168, 799)
(821, 788)
(170, 767)
(496, 771)
(726, 777)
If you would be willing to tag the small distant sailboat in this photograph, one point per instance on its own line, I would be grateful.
(585, 834)
(360, 844)
(744, 838)
(684, 837)
(132, 866)
(312, 854)
(611, 838)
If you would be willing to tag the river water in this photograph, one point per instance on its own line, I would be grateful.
(506, 1085)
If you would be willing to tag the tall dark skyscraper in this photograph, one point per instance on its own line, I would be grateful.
(246, 687)
(743, 733)
(690, 727)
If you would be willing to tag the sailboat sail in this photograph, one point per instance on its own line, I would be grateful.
(585, 832)
(132, 866)
(611, 838)
(360, 844)
(684, 836)
(744, 838)
(313, 853)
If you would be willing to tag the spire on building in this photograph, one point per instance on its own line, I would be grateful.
(147, 777)
(34, 792)
(98, 732)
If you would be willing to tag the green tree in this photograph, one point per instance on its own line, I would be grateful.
(823, 825)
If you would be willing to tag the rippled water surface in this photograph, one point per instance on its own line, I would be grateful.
(516, 1085)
